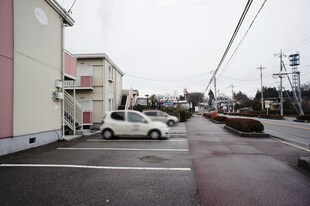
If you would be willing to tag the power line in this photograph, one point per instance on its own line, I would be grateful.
(246, 9)
(71, 6)
(241, 80)
(243, 38)
(167, 80)
(298, 44)
(161, 7)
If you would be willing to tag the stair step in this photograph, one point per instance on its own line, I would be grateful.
(82, 132)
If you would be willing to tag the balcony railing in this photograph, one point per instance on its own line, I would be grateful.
(82, 82)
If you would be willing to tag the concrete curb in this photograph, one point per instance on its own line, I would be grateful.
(90, 134)
(302, 121)
(72, 137)
(304, 162)
(217, 122)
(246, 134)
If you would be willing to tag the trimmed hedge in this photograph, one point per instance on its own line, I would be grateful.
(271, 116)
(184, 115)
(245, 125)
(303, 117)
(209, 115)
(219, 118)
(206, 115)
(213, 114)
(250, 114)
(233, 113)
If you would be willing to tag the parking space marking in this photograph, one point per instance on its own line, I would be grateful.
(124, 149)
(96, 167)
(132, 140)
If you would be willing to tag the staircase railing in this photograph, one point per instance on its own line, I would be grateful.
(73, 116)
(128, 102)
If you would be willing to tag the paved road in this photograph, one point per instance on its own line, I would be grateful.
(233, 170)
(287, 130)
(93, 171)
(219, 169)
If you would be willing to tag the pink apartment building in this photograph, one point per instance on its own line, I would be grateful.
(31, 73)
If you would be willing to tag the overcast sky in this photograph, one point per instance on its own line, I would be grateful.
(164, 46)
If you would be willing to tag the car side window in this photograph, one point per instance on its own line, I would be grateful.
(133, 117)
(120, 116)
(151, 113)
(160, 114)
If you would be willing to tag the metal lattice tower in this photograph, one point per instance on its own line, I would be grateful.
(294, 62)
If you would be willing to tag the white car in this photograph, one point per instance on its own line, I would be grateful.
(131, 123)
(157, 115)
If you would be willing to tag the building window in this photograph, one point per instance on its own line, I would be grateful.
(110, 104)
(111, 78)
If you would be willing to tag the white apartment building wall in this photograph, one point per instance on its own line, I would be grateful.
(106, 92)
(38, 61)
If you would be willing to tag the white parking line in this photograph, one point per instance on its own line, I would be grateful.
(132, 140)
(96, 167)
(126, 149)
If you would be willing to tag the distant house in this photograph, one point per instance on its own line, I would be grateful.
(31, 61)
(98, 87)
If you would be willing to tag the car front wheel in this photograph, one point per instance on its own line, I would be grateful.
(107, 134)
(154, 134)
(170, 123)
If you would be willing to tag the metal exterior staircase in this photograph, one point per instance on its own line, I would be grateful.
(73, 113)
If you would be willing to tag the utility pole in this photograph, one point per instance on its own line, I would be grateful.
(281, 91)
(294, 62)
(280, 76)
(261, 84)
(215, 94)
(232, 97)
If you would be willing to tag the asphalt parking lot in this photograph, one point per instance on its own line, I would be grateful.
(93, 171)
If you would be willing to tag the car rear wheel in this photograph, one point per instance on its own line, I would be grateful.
(107, 134)
(154, 134)
(170, 123)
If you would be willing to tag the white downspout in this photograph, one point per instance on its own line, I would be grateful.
(74, 113)
(63, 78)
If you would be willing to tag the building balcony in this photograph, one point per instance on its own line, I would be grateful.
(82, 83)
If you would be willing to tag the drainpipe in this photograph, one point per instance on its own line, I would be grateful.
(63, 78)
(74, 109)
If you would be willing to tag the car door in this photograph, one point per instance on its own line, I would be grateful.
(118, 122)
(137, 124)
(162, 116)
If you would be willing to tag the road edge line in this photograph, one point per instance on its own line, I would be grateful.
(288, 143)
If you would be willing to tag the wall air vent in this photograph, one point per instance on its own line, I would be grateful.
(32, 140)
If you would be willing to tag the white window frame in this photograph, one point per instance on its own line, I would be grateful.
(111, 104)
(111, 76)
